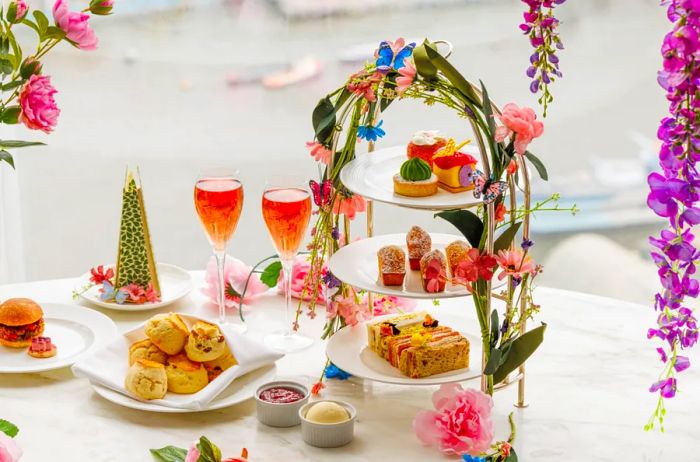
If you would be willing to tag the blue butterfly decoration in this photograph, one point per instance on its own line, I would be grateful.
(387, 60)
(108, 293)
(487, 187)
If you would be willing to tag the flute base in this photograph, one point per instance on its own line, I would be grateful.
(286, 342)
(235, 327)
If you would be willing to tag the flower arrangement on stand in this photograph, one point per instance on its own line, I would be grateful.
(31, 95)
(674, 195)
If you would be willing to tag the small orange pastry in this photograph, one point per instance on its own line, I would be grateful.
(418, 243)
(392, 265)
(456, 253)
(424, 145)
(42, 347)
(433, 271)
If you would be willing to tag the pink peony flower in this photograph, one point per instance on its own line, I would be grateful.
(521, 123)
(460, 424)
(39, 110)
(192, 453)
(21, 10)
(388, 304)
(353, 312)
(9, 450)
(235, 274)
(407, 75)
(300, 271)
(75, 25)
(515, 263)
(349, 206)
(319, 152)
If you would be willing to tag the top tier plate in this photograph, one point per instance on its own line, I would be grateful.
(371, 175)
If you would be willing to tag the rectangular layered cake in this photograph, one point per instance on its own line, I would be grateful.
(416, 345)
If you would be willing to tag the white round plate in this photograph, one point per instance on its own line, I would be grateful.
(356, 264)
(371, 175)
(348, 350)
(75, 330)
(241, 389)
(175, 283)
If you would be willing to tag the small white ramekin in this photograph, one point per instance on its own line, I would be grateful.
(280, 414)
(328, 435)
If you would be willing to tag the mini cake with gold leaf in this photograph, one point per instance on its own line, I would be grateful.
(454, 168)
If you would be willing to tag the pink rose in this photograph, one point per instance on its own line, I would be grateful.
(20, 11)
(461, 422)
(9, 450)
(235, 274)
(75, 25)
(521, 123)
(300, 270)
(39, 110)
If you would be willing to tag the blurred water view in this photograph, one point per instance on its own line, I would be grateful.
(161, 92)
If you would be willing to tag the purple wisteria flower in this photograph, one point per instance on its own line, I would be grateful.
(540, 26)
(674, 195)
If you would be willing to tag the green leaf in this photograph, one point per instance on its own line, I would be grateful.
(271, 274)
(16, 49)
(53, 32)
(7, 65)
(506, 238)
(488, 110)
(7, 157)
(29, 23)
(13, 84)
(466, 222)
(8, 428)
(512, 457)
(169, 454)
(452, 74)
(493, 361)
(494, 328)
(41, 21)
(323, 119)
(19, 144)
(424, 65)
(521, 348)
(10, 115)
(208, 452)
(541, 169)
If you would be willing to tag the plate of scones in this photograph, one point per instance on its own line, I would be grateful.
(179, 363)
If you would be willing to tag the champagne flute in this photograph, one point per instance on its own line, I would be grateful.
(218, 198)
(286, 209)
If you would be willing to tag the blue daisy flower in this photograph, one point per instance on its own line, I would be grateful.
(371, 133)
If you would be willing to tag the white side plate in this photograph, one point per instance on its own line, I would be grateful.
(371, 175)
(241, 389)
(348, 350)
(75, 330)
(175, 283)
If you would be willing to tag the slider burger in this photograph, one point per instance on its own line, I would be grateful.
(21, 320)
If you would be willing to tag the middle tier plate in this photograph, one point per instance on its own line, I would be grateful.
(371, 175)
(356, 264)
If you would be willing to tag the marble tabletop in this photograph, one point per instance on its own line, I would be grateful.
(586, 388)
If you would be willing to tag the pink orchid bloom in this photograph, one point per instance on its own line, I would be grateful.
(235, 274)
(519, 123)
(461, 422)
(407, 75)
(514, 263)
(319, 152)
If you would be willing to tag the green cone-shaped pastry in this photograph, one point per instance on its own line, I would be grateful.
(135, 262)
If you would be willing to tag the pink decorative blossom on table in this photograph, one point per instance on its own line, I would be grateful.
(319, 152)
(300, 271)
(192, 453)
(9, 450)
(352, 311)
(406, 76)
(460, 424)
(350, 206)
(235, 275)
(389, 304)
(38, 107)
(75, 25)
(520, 124)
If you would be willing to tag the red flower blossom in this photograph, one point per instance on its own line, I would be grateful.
(500, 212)
(476, 266)
(99, 275)
(316, 389)
(512, 167)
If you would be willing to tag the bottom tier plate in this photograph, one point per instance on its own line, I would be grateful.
(348, 350)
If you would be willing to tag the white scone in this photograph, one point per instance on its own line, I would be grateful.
(147, 379)
(145, 349)
(185, 376)
(205, 343)
(168, 332)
